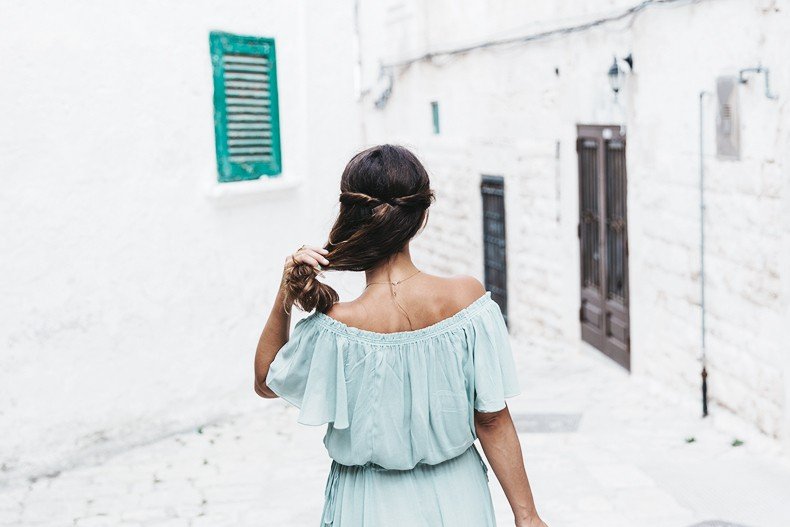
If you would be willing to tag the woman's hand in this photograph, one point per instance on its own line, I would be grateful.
(313, 256)
(532, 522)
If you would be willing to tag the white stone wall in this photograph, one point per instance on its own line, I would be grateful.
(133, 287)
(513, 111)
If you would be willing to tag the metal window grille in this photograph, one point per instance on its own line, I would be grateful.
(617, 283)
(492, 189)
(589, 225)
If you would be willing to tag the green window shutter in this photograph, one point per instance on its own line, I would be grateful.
(246, 113)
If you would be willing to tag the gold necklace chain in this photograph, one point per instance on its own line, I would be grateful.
(395, 282)
(393, 285)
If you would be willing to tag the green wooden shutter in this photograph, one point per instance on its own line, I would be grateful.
(246, 114)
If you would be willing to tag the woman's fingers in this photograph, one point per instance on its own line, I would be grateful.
(312, 256)
(320, 251)
(304, 257)
(315, 253)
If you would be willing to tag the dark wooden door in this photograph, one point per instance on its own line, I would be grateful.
(603, 238)
(492, 190)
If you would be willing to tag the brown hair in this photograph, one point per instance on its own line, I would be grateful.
(384, 198)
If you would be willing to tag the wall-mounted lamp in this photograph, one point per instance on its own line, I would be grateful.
(616, 73)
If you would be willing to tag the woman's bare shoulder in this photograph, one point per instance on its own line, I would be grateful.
(345, 312)
(468, 289)
(459, 291)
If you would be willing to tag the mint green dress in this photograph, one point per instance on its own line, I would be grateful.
(399, 414)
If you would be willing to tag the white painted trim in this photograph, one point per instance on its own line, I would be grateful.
(259, 188)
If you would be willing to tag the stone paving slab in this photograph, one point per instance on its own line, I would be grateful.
(601, 449)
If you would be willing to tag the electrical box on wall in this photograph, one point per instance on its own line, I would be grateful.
(728, 133)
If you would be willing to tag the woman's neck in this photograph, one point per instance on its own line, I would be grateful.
(397, 267)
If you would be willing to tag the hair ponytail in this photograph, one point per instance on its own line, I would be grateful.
(303, 288)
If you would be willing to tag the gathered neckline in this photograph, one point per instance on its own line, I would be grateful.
(408, 335)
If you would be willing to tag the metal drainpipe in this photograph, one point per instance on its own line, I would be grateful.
(704, 373)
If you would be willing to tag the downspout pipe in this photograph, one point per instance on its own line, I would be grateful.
(703, 329)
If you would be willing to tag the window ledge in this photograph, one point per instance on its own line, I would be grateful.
(243, 190)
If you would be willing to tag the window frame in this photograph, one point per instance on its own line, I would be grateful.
(435, 117)
(221, 44)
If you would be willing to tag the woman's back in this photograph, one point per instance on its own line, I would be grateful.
(396, 399)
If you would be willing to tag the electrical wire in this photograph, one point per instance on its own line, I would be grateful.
(566, 30)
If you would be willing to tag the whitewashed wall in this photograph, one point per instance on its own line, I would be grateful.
(133, 288)
(507, 111)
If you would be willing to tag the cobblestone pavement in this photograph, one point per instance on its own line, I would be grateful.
(601, 448)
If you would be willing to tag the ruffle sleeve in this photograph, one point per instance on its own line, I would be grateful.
(308, 372)
(495, 376)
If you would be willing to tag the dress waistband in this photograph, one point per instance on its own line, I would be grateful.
(333, 480)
